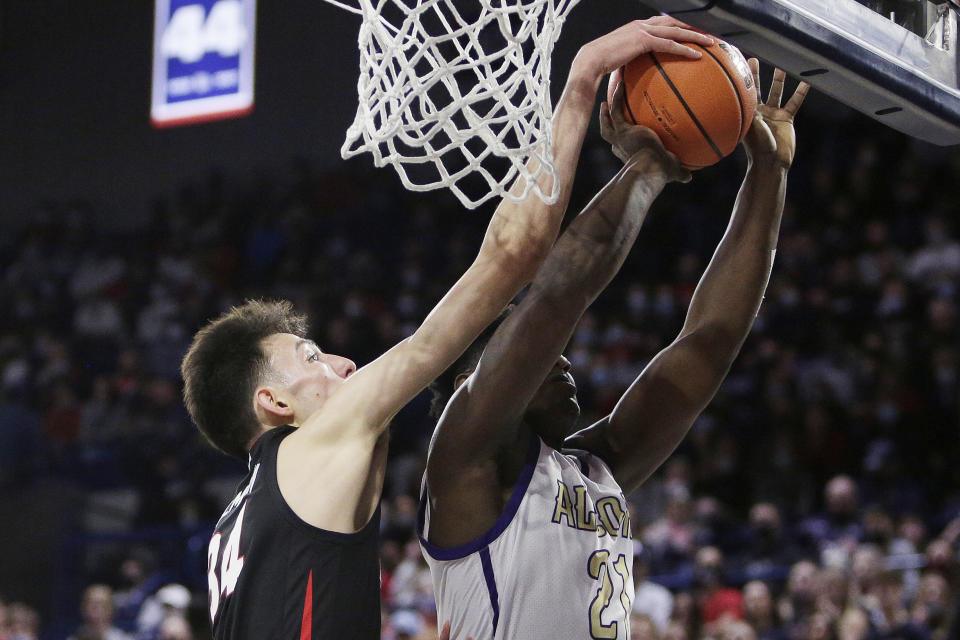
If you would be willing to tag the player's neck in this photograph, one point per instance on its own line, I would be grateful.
(264, 428)
(530, 430)
(512, 455)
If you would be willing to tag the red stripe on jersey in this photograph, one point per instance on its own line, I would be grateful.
(306, 626)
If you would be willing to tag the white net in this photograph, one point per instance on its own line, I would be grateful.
(455, 91)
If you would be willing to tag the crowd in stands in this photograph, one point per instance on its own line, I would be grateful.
(817, 497)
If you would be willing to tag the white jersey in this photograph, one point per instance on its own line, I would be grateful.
(556, 565)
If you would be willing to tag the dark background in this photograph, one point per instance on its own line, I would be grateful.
(75, 100)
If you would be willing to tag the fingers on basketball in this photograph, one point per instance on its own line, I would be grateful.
(658, 44)
(664, 21)
(683, 31)
(681, 34)
(606, 122)
(675, 168)
(682, 50)
(617, 107)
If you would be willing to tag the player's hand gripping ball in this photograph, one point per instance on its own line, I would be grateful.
(701, 109)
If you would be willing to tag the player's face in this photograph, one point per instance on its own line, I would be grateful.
(310, 376)
(554, 409)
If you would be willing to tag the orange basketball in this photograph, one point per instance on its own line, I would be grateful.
(701, 109)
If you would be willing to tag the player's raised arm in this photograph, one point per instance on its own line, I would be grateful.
(464, 473)
(658, 409)
(516, 242)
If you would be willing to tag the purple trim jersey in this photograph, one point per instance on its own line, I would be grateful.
(556, 564)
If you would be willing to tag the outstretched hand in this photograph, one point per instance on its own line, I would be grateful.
(660, 34)
(627, 140)
(772, 139)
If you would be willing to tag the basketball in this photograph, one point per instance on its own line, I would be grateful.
(701, 109)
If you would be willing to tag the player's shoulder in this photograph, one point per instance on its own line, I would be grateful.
(340, 421)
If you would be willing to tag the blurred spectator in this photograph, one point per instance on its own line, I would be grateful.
(821, 627)
(714, 524)
(24, 622)
(138, 580)
(939, 257)
(97, 612)
(904, 551)
(685, 619)
(853, 625)
(718, 602)
(878, 527)
(759, 613)
(174, 628)
(835, 532)
(407, 624)
(889, 616)
(671, 538)
(737, 630)
(170, 601)
(798, 604)
(676, 631)
(649, 501)
(911, 535)
(642, 627)
(941, 557)
(411, 585)
(649, 598)
(865, 572)
(4, 621)
(833, 590)
(766, 546)
(933, 607)
(391, 553)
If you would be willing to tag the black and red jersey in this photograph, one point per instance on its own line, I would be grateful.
(272, 576)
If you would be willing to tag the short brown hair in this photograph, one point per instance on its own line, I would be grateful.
(225, 364)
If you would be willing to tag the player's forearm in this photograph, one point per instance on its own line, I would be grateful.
(517, 241)
(593, 248)
(729, 294)
(656, 412)
(521, 234)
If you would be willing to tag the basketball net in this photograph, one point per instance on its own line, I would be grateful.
(446, 89)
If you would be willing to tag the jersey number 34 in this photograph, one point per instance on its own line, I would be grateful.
(230, 565)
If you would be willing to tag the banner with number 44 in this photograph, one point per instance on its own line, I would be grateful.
(202, 60)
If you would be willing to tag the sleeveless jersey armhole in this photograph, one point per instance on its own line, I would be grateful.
(370, 528)
(519, 491)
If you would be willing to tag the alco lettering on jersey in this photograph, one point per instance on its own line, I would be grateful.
(606, 517)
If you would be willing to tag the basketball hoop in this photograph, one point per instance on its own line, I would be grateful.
(446, 93)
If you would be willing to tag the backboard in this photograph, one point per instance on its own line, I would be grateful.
(894, 60)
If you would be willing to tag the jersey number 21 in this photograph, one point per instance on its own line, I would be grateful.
(598, 566)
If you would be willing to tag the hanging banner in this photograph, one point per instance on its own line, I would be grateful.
(202, 60)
